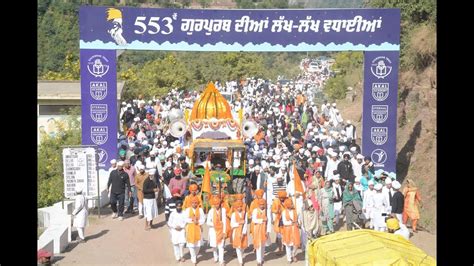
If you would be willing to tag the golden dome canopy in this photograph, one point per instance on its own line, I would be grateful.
(211, 104)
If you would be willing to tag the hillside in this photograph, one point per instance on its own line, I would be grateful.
(416, 134)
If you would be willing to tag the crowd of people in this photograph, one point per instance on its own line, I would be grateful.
(295, 137)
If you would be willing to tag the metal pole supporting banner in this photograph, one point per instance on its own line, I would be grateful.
(98, 184)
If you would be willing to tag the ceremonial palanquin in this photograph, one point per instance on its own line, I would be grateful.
(217, 143)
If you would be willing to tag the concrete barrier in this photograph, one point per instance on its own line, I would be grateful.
(46, 244)
(59, 235)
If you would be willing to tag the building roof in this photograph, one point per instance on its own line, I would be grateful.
(66, 90)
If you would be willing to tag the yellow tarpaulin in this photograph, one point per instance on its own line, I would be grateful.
(365, 247)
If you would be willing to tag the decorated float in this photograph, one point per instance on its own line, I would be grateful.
(217, 150)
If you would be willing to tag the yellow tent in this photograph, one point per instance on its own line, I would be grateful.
(365, 247)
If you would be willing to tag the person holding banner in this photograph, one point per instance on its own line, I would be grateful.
(194, 219)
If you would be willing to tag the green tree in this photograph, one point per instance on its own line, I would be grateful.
(336, 88)
(70, 70)
(156, 77)
(414, 14)
(50, 166)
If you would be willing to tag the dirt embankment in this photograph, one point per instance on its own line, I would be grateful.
(416, 133)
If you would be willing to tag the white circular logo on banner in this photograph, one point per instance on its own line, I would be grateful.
(381, 67)
(378, 156)
(97, 65)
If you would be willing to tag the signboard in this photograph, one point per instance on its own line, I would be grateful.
(239, 30)
(106, 29)
(99, 103)
(379, 136)
(80, 169)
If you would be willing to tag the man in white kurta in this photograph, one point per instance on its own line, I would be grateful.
(357, 163)
(337, 191)
(235, 225)
(381, 207)
(176, 223)
(80, 213)
(260, 212)
(217, 247)
(388, 192)
(290, 190)
(290, 247)
(191, 213)
(331, 166)
(368, 204)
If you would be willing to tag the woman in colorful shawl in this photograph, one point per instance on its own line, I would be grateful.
(327, 208)
(412, 200)
(352, 203)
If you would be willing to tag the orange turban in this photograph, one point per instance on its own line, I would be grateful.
(288, 203)
(282, 194)
(193, 187)
(259, 192)
(262, 202)
(239, 196)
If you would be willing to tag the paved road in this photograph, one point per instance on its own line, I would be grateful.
(114, 242)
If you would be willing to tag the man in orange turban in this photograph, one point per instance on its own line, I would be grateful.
(217, 222)
(238, 223)
(194, 219)
(277, 209)
(290, 233)
(259, 195)
(260, 233)
(193, 188)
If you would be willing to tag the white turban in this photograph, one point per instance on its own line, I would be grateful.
(371, 182)
(120, 163)
(113, 161)
(396, 184)
(388, 181)
(79, 188)
(378, 186)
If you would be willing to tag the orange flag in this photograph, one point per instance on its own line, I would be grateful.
(298, 185)
(206, 181)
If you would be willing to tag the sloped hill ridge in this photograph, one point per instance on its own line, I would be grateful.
(416, 133)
